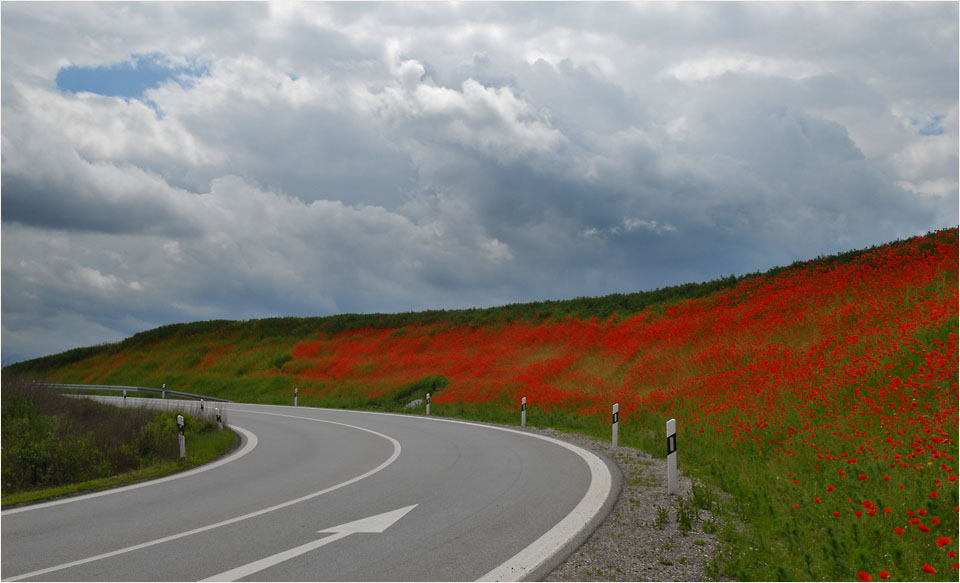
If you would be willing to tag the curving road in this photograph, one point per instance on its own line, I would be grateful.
(330, 495)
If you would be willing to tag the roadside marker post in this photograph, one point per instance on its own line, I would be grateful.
(163, 394)
(201, 405)
(616, 422)
(183, 445)
(428, 403)
(523, 412)
(124, 394)
(296, 395)
(672, 457)
(219, 419)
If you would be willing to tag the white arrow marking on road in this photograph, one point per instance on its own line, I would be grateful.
(375, 524)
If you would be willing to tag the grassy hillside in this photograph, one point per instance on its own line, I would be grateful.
(822, 396)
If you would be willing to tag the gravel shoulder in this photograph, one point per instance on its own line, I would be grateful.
(634, 542)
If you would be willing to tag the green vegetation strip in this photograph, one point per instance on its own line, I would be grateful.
(56, 446)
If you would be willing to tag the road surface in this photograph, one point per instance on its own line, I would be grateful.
(330, 495)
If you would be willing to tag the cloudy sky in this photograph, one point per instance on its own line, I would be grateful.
(172, 162)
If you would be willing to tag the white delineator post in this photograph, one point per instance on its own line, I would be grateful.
(672, 456)
(296, 395)
(523, 412)
(163, 393)
(428, 403)
(219, 419)
(183, 444)
(616, 422)
(201, 405)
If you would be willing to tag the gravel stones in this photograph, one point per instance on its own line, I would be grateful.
(641, 539)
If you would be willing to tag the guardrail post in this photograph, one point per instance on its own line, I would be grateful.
(616, 422)
(672, 456)
(523, 412)
(296, 395)
(183, 444)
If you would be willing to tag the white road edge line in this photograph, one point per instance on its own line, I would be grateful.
(251, 443)
(541, 550)
(390, 460)
(528, 560)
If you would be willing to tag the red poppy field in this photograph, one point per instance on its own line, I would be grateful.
(822, 398)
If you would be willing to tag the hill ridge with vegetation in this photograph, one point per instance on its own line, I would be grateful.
(601, 307)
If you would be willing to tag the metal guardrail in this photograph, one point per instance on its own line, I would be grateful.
(118, 388)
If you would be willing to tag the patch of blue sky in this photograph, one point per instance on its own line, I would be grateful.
(129, 79)
(929, 126)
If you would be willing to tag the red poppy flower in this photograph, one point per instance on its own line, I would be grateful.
(933, 494)
(923, 528)
(914, 521)
(943, 541)
(863, 477)
(898, 530)
(864, 576)
(829, 488)
(835, 513)
(884, 574)
(928, 569)
(817, 500)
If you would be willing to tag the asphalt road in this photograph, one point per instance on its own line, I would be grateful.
(329, 495)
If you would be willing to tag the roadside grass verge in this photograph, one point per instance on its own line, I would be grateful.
(55, 445)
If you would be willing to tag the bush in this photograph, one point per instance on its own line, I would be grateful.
(53, 440)
(37, 452)
(399, 398)
(158, 439)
